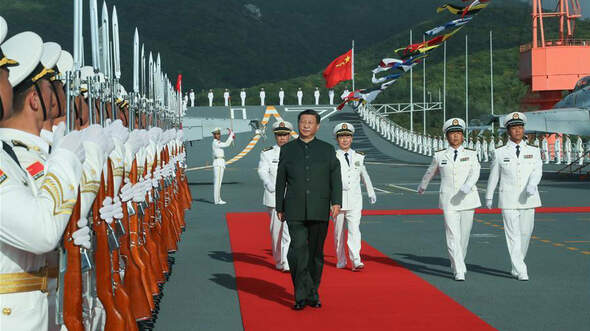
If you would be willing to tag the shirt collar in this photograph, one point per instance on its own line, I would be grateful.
(29, 139)
(513, 144)
(459, 149)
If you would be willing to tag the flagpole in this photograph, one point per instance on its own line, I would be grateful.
(445, 83)
(491, 79)
(467, 85)
(353, 65)
(411, 92)
(424, 93)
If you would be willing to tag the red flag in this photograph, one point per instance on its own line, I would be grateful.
(179, 83)
(339, 70)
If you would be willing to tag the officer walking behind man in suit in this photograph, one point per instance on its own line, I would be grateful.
(353, 170)
(267, 170)
(308, 192)
(219, 162)
(459, 171)
(519, 169)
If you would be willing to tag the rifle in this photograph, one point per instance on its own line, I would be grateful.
(122, 300)
(71, 280)
(102, 258)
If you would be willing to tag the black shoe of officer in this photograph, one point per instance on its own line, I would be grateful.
(299, 305)
(314, 303)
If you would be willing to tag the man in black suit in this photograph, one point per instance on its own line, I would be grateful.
(308, 191)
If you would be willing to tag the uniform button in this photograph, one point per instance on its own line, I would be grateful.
(6, 311)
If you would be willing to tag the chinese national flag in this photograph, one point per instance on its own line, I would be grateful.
(339, 70)
(179, 83)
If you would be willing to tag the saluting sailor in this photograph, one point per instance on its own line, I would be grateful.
(267, 170)
(459, 171)
(219, 162)
(519, 169)
(352, 167)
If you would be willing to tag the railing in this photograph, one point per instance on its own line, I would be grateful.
(396, 108)
(556, 42)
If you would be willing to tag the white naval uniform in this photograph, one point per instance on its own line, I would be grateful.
(226, 98)
(316, 95)
(568, 150)
(219, 165)
(518, 206)
(580, 150)
(299, 97)
(210, 96)
(545, 148)
(33, 221)
(557, 150)
(192, 97)
(243, 97)
(279, 231)
(485, 150)
(458, 207)
(262, 98)
(281, 97)
(352, 206)
(331, 96)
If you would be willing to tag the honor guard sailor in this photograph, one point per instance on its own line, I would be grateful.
(267, 171)
(226, 98)
(219, 162)
(459, 171)
(518, 168)
(210, 97)
(33, 219)
(262, 95)
(316, 95)
(331, 96)
(352, 168)
(243, 97)
(191, 96)
(299, 96)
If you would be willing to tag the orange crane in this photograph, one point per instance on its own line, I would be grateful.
(550, 67)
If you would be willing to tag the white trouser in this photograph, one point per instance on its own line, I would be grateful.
(557, 157)
(243, 102)
(547, 157)
(353, 221)
(458, 225)
(226, 103)
(281, 101)
(280, 239)
(299, 101)
(262, 101)
(217, 179)
(518, 227)
(568, 157)
(210, 102)
(580, 158)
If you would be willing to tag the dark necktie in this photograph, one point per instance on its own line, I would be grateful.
(10, 152)
(347, 160)
(517, 150)
(455, 157)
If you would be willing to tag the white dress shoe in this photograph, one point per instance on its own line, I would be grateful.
(341, 266)
(523, 277)
(221, 202)
(514, 274)
(358, 267)
(460, 277)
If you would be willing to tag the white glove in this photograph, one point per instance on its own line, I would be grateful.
(489, 203)
(465, 189)
(96, 134)
(531, 190)
(133, 142)
(138, 191)
(73, 143)
(106, 211)
(117, 208)
(421, 190)
(127, 191)
(117, 130)
(372, 199)
(82, 235)
(270, 187)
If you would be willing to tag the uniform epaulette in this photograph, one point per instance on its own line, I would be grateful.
(440, 150)
(529, 144)
(359, 152)
(470, 149)
(18, 143)
(267, 149)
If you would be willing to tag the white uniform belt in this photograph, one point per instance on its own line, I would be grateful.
(26, 281)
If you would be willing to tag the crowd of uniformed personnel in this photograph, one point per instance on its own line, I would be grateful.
(92, 202)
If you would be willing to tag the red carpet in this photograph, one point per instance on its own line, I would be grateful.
(540, 210)
(384, 296)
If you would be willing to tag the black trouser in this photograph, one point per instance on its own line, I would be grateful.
(306, 257)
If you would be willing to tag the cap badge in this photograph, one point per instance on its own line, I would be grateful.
(344, 126)
(515, 116)
(282, 124)
(455, 122)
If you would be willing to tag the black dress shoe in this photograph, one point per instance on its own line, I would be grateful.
(299, 305)
(314, 303)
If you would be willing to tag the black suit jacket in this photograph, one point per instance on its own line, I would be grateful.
(308, 180)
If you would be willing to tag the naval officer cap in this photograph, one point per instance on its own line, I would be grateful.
(343, 129)
(216, 130)
(50, 56)
(64, 64)
(282, 127)
(5, 61)
(454, 125)
(514, 119)
(26, 48)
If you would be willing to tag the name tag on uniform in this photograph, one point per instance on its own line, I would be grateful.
(464, 159)
(506, 160)
(528, 156)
